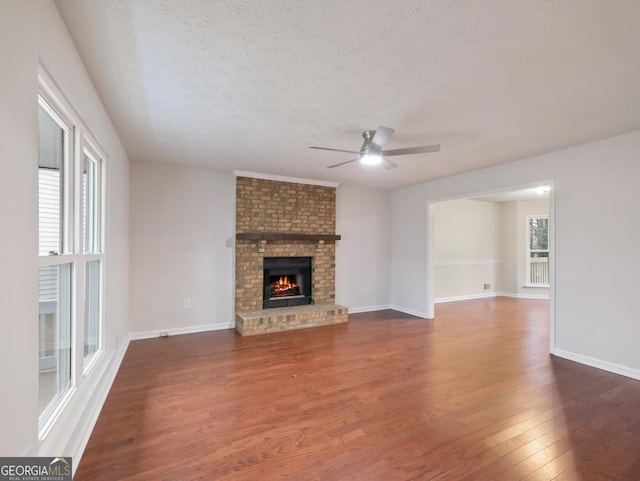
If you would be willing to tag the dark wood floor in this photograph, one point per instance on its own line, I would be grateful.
(471, 395)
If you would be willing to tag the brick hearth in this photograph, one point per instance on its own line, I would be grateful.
(285, 318)
(268, 207)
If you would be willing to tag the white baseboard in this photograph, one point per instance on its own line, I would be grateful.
(490, 294)
(91, 414)
(134, 336)
(465, 298)
(87, 421)
(407, 310)
(30, 451)
(356, 310)
(523, 296)
(70, 434)
(598, 363)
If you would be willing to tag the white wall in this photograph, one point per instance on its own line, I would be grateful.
(182, 223)
(181, 247)
(509, 254)
(596, 304)
(362, 254)
(409, 251)
(30, 31)
(466, 249)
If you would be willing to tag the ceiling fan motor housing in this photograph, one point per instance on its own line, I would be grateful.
(367, 148)
(372, 153)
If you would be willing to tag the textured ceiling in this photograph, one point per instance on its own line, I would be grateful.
(249, 85)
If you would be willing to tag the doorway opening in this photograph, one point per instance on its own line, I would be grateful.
(479, 245)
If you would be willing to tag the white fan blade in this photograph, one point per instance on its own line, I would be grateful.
(423, 149)
(381, 136)
(388, 164)
(336, 150)
(342, 163)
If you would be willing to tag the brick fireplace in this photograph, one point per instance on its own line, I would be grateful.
(276, 219)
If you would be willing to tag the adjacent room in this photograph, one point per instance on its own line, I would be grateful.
(321, 240)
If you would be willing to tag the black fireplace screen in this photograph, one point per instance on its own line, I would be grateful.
(287, 281)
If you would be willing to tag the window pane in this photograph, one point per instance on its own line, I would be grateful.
(51, 151)
(539, 234)
(90, 204)
(55, 334)
(92, 283)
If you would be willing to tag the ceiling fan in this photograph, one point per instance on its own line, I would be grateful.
(372, 153)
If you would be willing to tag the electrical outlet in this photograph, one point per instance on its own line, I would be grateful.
(186, 303)
(487, 286)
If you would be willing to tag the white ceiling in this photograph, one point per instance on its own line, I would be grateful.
(250, 85)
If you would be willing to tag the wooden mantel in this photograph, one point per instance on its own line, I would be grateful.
(274, 236)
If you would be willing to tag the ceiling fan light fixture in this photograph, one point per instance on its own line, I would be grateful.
(373, 152)
(371, 159)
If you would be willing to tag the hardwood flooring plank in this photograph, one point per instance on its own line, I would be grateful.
(470, 395)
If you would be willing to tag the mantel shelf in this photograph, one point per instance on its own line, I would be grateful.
(274, 236)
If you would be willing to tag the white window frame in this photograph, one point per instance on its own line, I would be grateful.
(64, 256)
(72, 252)
(92, 148)
(62, 118)
(528, 251)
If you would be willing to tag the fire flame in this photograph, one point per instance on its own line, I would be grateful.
(284, 286)
(285, 283)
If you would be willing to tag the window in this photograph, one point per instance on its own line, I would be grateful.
(91, 202)
(56, 268)
(71, 252)
(537, 251)
(92, 303)
(53, 165)
(92, 249)
(55, 335)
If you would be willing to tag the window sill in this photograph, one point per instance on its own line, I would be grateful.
(90, 361)
(48, 418)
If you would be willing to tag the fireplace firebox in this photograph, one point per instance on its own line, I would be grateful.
(287, 282)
